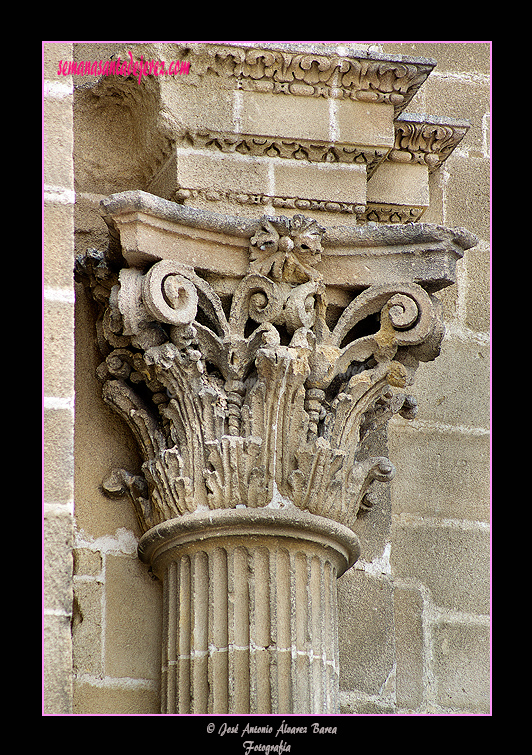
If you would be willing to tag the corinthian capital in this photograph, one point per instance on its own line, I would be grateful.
(256, 389)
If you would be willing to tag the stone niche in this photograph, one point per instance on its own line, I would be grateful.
(255, 326)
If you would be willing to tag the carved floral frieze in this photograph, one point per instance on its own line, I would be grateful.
(391, 213)
(258, 400)
(292, 203)
(311, 150)
(418, 140)
(366, 78)
(425, 141)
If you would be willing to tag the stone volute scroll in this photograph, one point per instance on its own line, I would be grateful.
(250, 358)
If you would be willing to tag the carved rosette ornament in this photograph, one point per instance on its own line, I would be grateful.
(250, 413)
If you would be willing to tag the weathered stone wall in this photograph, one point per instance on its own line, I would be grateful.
(414, 627)
(58, 381)
(413, 612)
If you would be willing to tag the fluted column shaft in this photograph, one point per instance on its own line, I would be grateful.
(250, 621)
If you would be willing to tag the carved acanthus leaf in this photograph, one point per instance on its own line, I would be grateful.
(256, 402)
(427, 143)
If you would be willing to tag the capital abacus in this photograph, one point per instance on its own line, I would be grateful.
(124, 68)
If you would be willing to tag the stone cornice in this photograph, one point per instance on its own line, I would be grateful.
(294, 203)
(312, 150)
(347, 76)
(292, 69)
(363, 253)
(391, 213)
(427, 140)
(419, 138)
(358, 236)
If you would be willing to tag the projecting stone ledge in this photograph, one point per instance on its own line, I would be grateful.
(145, 228)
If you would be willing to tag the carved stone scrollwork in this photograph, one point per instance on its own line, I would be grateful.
(258, 403)
(374, 79)
(426, 143)
(253, 401)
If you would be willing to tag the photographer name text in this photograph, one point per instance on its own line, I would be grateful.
(250, 746)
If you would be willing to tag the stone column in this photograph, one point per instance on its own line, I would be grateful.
(250, 379)
(249, 610)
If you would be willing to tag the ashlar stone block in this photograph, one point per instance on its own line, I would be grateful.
(58, 565)
(58, 321)
(409, 647)
(58, 143)
(364, 123)
(365, 631)
(222, 172)
(451, 397)
(397, 183)
(57, 662)
(87, 628)
(207, 105)
(122, 699)
(58, 233)
(454, 466)
(322, 181)
(58, 431)
(130, 619)
(478, 292)
(268, 114)
(462, 666)
(450, 560)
